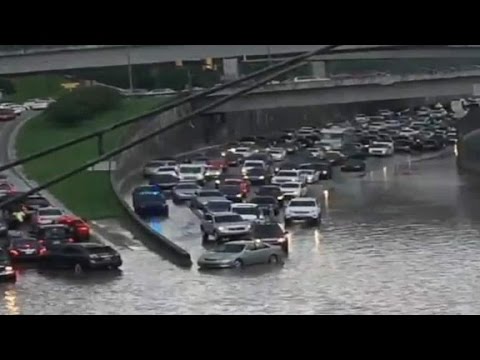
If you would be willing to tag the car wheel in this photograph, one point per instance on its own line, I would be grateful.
(204, 237)
(78, 268)
(238, 264)
(273, 259)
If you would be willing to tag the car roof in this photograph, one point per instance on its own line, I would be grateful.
(244, 205)
(50, 208)
(303, 199)
(224, 213)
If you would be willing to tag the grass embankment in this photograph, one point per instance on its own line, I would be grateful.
(37, 86)
(87, 194)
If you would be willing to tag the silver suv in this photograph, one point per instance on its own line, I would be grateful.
(224, 225)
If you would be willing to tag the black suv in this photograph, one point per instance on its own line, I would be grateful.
(52, 235)
(271, 233)
(82, 256)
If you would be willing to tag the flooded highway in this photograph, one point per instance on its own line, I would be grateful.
(403, 239)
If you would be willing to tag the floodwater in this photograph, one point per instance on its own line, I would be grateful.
(403, 239)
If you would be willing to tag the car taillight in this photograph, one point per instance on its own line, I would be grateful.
(84, 229)
(41, 241)
(71, 240)
(14, 252)
(43, 251)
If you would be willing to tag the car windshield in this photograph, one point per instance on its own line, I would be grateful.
(150, 195)
(230, 189)
(37, 202)
(267, 231)
(232, 181)
(187, 187)
(264, 200)
(161, 179)
(246, 210)
(242, 150)
(24, 242)
(306, 172)
(210, 193)
(157, 163)
(191, 170)
(276, 151)
(218, 206)
(56, 232)
(100, 250)
(229, 248)
(166, 169)
(303, 203)
(268, 191)
(254, 164)
(50, 212)
(4, 186)
(290, 186)
(256, 171)
(287, 173)
(228, 218)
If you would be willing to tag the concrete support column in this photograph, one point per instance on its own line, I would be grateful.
(231, 69)
(318, 69)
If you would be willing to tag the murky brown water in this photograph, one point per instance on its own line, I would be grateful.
(401, 240)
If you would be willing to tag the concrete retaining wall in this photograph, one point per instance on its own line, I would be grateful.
(469, 142)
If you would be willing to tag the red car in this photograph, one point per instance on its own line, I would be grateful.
(7, 115)
(80, 229)
(218, 164)
(244, 184)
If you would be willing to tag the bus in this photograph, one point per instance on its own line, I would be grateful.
(336, 137)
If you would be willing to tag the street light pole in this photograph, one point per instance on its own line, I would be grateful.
(130, 73)
(269, 55)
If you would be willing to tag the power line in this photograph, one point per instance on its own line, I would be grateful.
(183, 120)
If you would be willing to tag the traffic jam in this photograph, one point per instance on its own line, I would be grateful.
(10, 111)
(35, 232)
(248, 194)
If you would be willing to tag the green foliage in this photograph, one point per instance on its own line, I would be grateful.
(83, 104)
(6, 86)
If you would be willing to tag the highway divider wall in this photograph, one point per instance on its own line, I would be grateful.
(468, 145)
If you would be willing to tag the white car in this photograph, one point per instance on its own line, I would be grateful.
(284, 176)
(378, 148)
(191, 172)
(316, 152)
(165, 170)
(253, 164)
(361, 118)
(39, 105)
(212, 171)
(277, 154)
(248, 212)
(305, 209)
(310, 176)
(408, 132)
(293, 189)
(385, 113)
(48, 215)
(244, 151)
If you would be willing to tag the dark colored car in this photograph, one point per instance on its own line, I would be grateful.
(7, 273)
(184, 192)
(152, 165)
(53, 235)
(335, 158)
(35, 202)
(25, 248)
(267, 204)
(417, 145)
(233, 159)
(233, 193)
(353, 165)
(273, 191)
(149, 201)
(164, 181)
(442, 140)
(82, 256)
(286, 166)
(271, 233)
(204, 196)
(402, 146)
(265, 157)
(258, 176)
(324, 168)
(431, 145)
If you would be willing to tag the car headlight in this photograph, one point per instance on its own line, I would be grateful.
(249, 227)
(277, 169)
(224, 153)
(8, 268)
(221, 228)
(262, 177)
(280, 197)
(239, 195)
(217, 182)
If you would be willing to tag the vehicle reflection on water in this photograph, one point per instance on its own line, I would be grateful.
(397, 241)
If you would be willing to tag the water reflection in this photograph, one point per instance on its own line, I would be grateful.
(10, 301)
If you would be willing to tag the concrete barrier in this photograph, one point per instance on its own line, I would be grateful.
(468, 146)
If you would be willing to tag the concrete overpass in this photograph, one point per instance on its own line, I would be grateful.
(345, 91)
(74, 57)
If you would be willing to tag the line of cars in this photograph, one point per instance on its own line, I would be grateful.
(9, 111)
(36, 231)
(273, 174)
